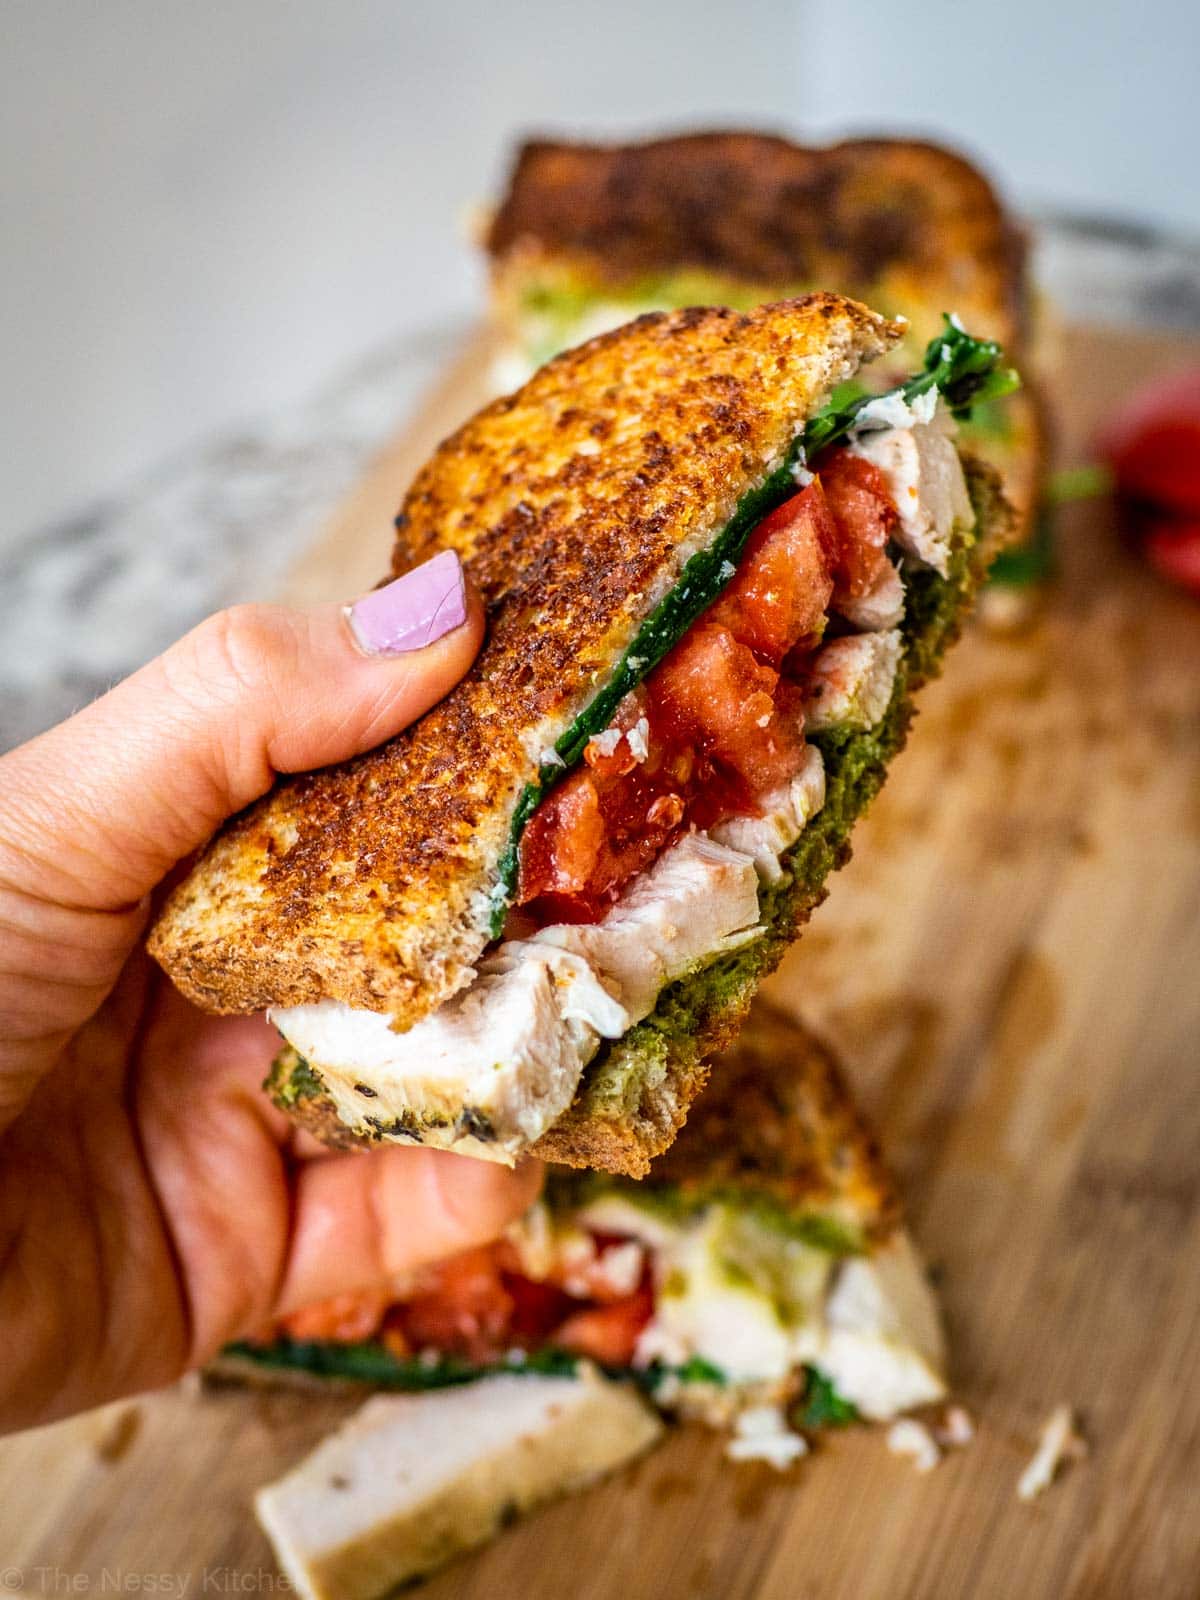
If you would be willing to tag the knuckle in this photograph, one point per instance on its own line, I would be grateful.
(244, 648)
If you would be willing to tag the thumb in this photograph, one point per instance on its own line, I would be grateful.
(96, 811)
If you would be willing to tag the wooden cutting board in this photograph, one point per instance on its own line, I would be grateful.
(1011, 968)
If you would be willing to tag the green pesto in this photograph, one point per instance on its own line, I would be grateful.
(966, 371)
(291, 1081)
(571, 1189)
(553, 311)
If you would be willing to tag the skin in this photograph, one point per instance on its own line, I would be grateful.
(153, 1204)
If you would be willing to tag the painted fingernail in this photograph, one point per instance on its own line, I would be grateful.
(412, 611)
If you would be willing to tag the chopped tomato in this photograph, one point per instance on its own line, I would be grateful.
(346, 1318)
(589, 837)
(393, 1338)
(538, 1308)
(713, 692)
(562, 841)
(460, 1307)
(717, 727)
(783, 585)
(1152, 443)
(1173, 549)
(863, 518)
(607, 1334)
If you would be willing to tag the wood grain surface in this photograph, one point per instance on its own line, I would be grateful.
(1011, 968)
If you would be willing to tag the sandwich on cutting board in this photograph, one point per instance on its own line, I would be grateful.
(588, 235)
(527, 922)
(759, 1279)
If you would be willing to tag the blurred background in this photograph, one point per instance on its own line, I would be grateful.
(219, 217)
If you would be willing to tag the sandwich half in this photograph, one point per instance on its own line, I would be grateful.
(528, 921)
(588, 235)
(762, 1267)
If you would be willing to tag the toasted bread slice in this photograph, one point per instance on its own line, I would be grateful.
(587, 234)
(575, 504)
(901, 223)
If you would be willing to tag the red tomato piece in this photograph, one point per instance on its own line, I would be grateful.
(782, 587)
(1173, 549)
(607, 1334)
(538, 1308)
(713, 691)
(1153, 444)
(459, 1307)
(862, 515)
(345, 1319)
(562, 840)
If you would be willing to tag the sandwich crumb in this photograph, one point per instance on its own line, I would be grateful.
(956, 1428)
(116, 1433)
(908, 1437)
(1059, 1441)
(761, 1433)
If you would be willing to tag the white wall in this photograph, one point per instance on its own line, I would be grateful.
(1093, 105)
(208, 208)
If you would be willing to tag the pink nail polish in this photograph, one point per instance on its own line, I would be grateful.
(411, 611)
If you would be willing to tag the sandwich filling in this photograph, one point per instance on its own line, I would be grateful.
(713, 1307)
(638, 854)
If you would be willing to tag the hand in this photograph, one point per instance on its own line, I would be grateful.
(153, 1203)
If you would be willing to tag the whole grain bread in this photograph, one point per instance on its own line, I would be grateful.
(891, 220)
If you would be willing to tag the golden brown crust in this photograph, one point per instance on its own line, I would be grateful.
(778, 1119)
(865, 215)
(574, 503)
(907, 226)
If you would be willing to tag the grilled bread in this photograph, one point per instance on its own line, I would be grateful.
(575, 504)
(590, 234)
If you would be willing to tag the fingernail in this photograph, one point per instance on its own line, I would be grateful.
(412, 611)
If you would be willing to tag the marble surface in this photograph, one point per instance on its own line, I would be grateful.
(85, 602)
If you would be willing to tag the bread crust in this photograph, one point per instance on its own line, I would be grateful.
(902, 224)
(777, 1122)
(862, 214)
(574, 504)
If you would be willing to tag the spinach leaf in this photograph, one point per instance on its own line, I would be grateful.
(964, 370)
